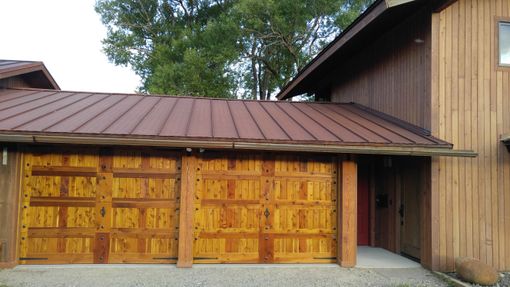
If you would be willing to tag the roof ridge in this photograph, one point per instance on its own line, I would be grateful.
(181, 97)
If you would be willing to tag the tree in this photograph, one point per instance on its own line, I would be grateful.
(220, 48)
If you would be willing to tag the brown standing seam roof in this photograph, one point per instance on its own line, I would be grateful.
(49, 112)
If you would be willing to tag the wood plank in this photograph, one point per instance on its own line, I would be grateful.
(142, 258)
(57, 232)
(347, 213)
(229, 202)
(186, 211)
(64, 171)
(10, 175)
(144, 203)
(474, 120)
(101, 247)
(143, 233)
(144, 173)
(63, 201)
(59, 258)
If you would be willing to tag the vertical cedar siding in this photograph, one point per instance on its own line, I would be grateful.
(470, 108)
(9, 195)
(392, 74)
(14, 82)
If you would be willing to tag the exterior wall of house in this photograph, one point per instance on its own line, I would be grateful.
(392, 74)
(14, 82)
(470, 108)
(9, 179)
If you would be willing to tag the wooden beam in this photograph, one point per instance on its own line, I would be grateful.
(393, 3)
(347, 214)
(186, 211)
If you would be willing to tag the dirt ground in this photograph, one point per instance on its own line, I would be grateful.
(214, 275)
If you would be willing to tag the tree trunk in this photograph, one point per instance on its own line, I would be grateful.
(254, 73)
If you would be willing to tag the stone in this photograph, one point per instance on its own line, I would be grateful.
(474, 271)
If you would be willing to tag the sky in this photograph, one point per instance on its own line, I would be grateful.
(66, 35)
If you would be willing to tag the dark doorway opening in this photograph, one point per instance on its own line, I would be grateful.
(363, 206)
(390, 191)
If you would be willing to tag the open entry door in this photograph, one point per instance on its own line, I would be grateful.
(363, 206)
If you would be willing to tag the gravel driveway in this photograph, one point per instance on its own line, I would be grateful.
(214, 275)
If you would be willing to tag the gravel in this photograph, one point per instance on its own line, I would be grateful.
(214, 275)
(504, 280)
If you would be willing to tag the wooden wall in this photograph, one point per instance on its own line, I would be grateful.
(392, 74)
(471, 109)
(14, 82)
(9, 180)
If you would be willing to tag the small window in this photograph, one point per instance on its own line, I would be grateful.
(504, 43)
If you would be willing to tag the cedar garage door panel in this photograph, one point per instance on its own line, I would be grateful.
(91, 206)
(278, 209)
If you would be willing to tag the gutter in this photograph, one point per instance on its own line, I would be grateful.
(206, 144)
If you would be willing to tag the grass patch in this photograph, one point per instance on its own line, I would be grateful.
(446, 279)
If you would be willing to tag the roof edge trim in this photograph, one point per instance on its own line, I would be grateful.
(351, 149)
(392, 3)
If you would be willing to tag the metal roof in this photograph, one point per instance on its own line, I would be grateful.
(12, 68)
(132, 117)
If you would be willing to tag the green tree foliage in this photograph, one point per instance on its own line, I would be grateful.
(220, 48)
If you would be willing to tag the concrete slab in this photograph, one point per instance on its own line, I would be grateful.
(372, 257)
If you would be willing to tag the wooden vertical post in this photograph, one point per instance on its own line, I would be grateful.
(103, 207)
(186, 211)
(347, 214)
(10, 180)
(372, 204)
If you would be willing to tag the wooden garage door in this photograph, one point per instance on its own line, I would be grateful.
(271, 209)
(99, 206)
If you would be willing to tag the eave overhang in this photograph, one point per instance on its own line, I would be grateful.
(380, 17)
(401, 150)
